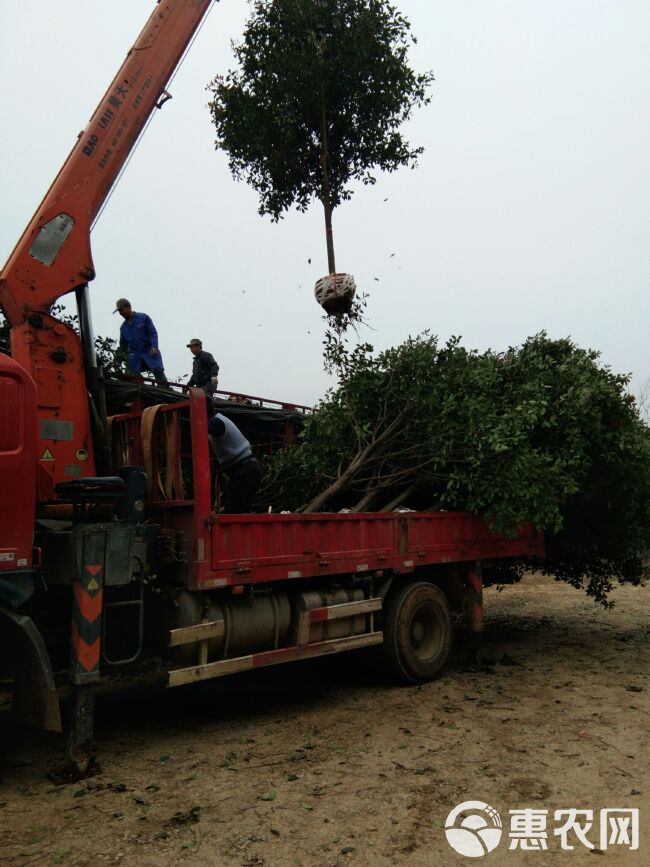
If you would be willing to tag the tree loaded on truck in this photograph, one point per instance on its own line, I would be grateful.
(111, 550)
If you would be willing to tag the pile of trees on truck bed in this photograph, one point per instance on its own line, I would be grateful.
(542, 433)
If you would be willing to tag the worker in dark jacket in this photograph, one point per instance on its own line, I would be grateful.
(139, 338)
(205, 370)
(235, 459)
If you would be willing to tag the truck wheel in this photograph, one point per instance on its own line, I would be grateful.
(417, 632)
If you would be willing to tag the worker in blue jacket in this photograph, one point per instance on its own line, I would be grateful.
(139, 338)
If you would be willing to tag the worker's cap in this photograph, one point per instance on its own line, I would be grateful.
(195, 342)
(121, 302)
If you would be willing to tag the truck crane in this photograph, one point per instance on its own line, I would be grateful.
(110, 550)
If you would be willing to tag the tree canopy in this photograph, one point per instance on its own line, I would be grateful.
(322, 89)
(541, 433)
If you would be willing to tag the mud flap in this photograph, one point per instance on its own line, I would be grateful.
(35, 697)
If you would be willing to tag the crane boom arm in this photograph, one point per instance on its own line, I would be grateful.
(53, 255)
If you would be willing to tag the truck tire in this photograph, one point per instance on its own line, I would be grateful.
(417, 632)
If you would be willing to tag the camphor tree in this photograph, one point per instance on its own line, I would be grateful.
(543, 432)
(317, 102)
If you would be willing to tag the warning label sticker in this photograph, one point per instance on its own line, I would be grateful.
(47, 455)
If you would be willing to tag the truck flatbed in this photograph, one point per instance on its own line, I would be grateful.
(249, 549)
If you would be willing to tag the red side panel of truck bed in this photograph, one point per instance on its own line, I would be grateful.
(258, 548)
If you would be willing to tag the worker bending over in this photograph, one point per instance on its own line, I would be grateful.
(235, 459)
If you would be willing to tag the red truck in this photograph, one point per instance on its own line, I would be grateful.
(110, 550)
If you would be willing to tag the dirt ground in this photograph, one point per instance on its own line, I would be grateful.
(324, 763)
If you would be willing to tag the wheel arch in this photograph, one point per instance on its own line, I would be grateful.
(448, 577)
(35, 696)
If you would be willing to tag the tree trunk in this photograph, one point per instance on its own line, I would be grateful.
(331, 264)
(327, 196)
(355, 464)
(399, 499)
(365, 501)
(341, 483)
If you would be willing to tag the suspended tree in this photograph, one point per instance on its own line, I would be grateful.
(317, 101)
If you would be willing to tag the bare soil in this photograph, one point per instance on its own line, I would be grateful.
(324, 763)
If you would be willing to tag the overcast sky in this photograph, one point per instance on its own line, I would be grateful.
(530, 208)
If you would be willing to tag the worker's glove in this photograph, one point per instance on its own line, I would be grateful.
(215, 380)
